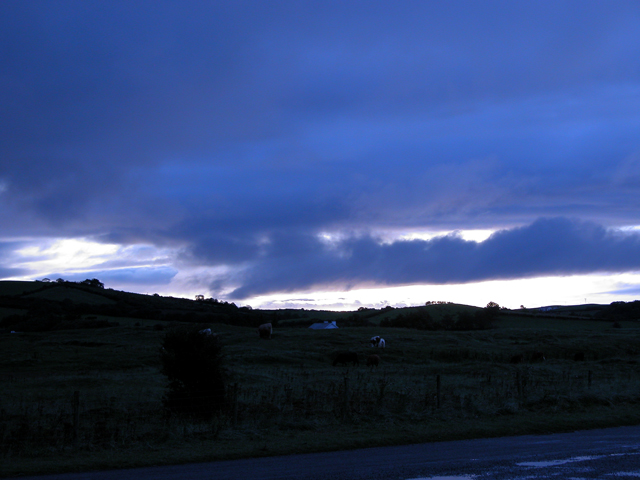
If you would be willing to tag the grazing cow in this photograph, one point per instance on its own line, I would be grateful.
(538, 357)
(579, 357)
(377, 342)
(381, 343)
(373, 361)
(346, 357)
(206, 331)
(265, 330)
(517, 358)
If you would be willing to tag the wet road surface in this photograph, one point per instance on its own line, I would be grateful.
(607, 454)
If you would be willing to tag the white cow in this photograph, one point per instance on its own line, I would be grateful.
(377, 342)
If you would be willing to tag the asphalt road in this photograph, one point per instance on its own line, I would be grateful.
(591, 454)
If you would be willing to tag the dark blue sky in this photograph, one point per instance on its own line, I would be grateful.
(252, 148)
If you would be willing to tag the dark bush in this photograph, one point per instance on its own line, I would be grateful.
(420, 320)
(192, 362)
(355, 320)
(12, 320)
(478, 320)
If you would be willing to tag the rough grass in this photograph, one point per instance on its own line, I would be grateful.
(62, 292)
(12, 288)
(285, 396)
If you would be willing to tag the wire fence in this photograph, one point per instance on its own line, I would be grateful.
(299, 399)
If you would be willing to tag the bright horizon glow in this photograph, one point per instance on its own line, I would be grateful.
(531, 293)
(73, 257)
(69, 254)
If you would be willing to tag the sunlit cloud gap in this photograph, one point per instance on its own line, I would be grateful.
(64, 254)
(71, 258)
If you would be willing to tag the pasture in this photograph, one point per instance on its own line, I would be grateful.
(285, 396)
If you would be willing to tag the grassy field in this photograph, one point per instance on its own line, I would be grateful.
(286, 397)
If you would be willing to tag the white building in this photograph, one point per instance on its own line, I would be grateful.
(326, 325)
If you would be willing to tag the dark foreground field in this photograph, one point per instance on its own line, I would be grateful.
(286, 397)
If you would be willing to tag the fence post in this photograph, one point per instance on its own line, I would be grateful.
(76, 416)
(235, 404)
(346, 395)
(437, 391)
(382, 384)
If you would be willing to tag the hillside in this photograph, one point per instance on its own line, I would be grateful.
(41, 306)
(36, 306)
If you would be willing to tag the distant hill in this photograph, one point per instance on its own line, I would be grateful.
(40, 305)
(60, 293)
(10, 288)
(52, 305)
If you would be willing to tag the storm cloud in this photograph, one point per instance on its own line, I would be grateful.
(240, 136)
(556, 246)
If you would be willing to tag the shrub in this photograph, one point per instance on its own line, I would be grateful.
(420, 320)
(479, 320)
(192, 362)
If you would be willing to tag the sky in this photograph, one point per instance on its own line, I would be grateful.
(324, 154)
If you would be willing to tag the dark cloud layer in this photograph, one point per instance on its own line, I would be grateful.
(7, 250)
(548, 247)
(240, 131)
(12, 272)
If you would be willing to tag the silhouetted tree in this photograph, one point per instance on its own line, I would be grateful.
(192, 362)
(94, 282)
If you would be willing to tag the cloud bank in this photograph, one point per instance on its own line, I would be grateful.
(240, 136)
(556, 246)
